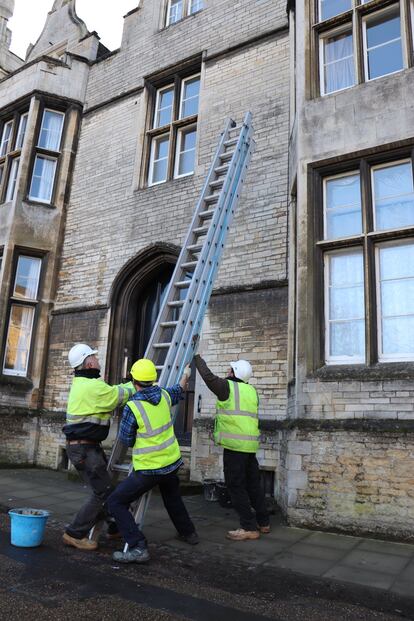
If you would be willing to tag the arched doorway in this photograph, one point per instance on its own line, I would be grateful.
(136, 298)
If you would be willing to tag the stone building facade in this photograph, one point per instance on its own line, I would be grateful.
(351, 351)
(114, 154)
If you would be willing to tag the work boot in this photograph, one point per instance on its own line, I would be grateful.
(136, 555)
(265, 530)
(192, 538)
(82, 544)
(242, 535)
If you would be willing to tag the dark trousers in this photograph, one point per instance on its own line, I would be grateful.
(133, 488)
(242, 478)
(91, 463)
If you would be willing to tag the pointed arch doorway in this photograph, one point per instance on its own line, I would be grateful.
(137, 295)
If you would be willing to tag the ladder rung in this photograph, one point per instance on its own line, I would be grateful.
(213, 198)
(159, 367)
(195, 247)
(231, 142)
(189, 265)
(201, 229)
(182, 284)
(176, 303)
(207, 214)
(226, 156)
(216, 184)
(161, 345)
(120, 467)
(168, 324)
(236, 128)
(221, 169)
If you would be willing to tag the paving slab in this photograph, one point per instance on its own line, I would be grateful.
(319, 552)
(356, 575)
(301, 564)
(373, 561)
(386, 547)
(327, 540)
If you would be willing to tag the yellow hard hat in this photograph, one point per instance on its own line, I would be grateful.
(144, 370)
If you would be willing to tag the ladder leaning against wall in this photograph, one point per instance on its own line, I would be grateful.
(171, 346)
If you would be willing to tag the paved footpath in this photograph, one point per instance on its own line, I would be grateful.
(365, 562)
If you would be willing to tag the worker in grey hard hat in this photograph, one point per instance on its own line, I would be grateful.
(90, 404)
(237, 431)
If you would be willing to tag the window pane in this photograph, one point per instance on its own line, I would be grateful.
(196, 5)
(329, 8)
(22, 131)
(396, 275)
(11, 187)
(345, 307)
(5, 138)
(42, 180)
(186, 155)
(159, 160)
(26, 283)
(51, 130)
(175, 11)
(163, 112)
(384, 48)
(190, 96)
(343, 207)
(338, 63)
(18, 340)
(394, 196)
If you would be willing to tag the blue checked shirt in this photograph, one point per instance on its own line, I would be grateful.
(129, 426)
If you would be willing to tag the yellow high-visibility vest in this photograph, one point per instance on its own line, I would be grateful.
(156, 445)
(237, 420)
(93, 400)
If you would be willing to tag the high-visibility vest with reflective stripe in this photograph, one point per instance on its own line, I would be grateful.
(156, 445)
(237, 421)
(93, 400)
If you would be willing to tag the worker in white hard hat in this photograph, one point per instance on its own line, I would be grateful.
(90, 405)
(237, 431)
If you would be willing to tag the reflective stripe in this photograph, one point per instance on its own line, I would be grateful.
(150, 433)
(154, 449)
(72, 418)
(237, 413)
(130, 390)
(141, 409)
(236, 436)
(155, 432)
(167, 396)
(121, 394)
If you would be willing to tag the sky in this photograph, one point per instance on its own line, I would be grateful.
(104, 16)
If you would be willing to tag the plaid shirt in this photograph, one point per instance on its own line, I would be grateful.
(129, 426)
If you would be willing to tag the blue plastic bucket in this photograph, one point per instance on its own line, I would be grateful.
(27, 527)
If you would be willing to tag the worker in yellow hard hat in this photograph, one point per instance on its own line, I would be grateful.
(147, 426)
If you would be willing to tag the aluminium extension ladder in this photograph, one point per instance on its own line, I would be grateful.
(171, 346)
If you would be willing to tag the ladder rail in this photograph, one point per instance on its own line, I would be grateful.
(181, 355)
(178, 268)
(211, 248)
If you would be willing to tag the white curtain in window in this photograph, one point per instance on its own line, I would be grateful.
(27, 277)
(18, 340)
(51, 131)
(394, 196)
(339, 70)
(43, 178)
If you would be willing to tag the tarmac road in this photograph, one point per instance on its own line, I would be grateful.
(63, 584)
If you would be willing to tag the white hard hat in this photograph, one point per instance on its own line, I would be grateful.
(78, 353)
(242, 370)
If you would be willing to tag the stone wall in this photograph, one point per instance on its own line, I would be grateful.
(351, 481)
